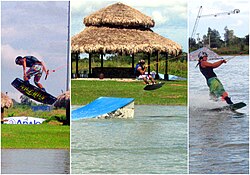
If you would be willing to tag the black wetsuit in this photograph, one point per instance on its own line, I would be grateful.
(208, 72)
(31, 60)
(138, 73)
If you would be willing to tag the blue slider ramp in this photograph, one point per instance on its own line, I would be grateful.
(100, 106)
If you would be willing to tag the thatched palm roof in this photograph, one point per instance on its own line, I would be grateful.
(6, 102)
(63, 100)
(120, 28)
(113, 40)
(119, 15)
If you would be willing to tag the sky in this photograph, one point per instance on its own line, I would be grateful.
(38, 28)
(170, 16)
(237, 22)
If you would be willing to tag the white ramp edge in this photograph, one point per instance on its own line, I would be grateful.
(125, 112)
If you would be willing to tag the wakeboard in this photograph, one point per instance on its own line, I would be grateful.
(33, 92)
(153, 86)
(232, 107)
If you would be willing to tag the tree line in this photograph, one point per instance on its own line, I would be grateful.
(230, 44)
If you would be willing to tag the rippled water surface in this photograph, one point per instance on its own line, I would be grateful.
(154, 141)
(219, 140)
(35, 161)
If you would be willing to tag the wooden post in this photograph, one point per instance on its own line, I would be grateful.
(72, 55)
(2, 115)
(101, 61)
(133, 61)
(77, 59)
(90, 57)
(157, 65)
(148, 63)
(101, 75)
(166, 68)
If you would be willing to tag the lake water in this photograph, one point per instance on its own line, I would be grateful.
(154, 141)
(35, 161)
(219, 141)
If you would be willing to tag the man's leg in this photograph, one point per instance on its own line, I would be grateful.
(36, 81)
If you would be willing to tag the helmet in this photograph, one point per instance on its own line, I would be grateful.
(142, 61)
(202, 54)
(17, 59)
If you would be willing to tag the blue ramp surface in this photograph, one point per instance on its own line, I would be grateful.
(100, 106)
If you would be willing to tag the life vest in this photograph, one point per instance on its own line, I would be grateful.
(208, 72)
(31, 60)
(136, 72)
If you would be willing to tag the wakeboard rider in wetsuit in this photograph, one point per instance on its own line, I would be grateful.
(36, 68)
(215, 86)
(140, 70)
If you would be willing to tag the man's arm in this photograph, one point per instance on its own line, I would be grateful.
(44, 66)
(216, 64)
(24, 68)
(142, 71)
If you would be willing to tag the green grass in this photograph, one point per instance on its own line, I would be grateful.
(35, 136)
(24, 110)
(50, 134)
(172, 93)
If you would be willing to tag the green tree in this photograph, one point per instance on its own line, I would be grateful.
(228, 36)
(213, 37)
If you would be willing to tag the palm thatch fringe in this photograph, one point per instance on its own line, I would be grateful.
(119, 15)
(114, 40)
(6, 102)
(63, 100)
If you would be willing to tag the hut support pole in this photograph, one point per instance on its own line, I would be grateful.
(71, 65)
(157, 65)
(133, 61)
(2, 115)
(102, 61)
(90, 55)
(148, 63)
(77, 59)
(166, 68)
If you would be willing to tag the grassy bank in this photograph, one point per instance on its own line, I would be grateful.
(24, 110)
(172, 93)
(50, 134)
(35, 136)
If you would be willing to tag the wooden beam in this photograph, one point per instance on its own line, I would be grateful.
(102, 61)
(133, 61)
(77, 59)
(157, 65)
(72, 55)
(166, 68)
(90, 58)
(148, 63)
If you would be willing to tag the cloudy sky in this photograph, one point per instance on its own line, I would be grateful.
(37, 28)
(237, 22)
(170, 16)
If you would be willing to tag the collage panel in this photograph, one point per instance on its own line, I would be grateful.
(35, 131)
(124, 119)
(219, 87)
(125, 87)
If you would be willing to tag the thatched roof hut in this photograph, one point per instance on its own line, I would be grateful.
(119, 28)
(114, 40)
(6, 102)
(123, 29)
(63, 100)
(119, 15)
